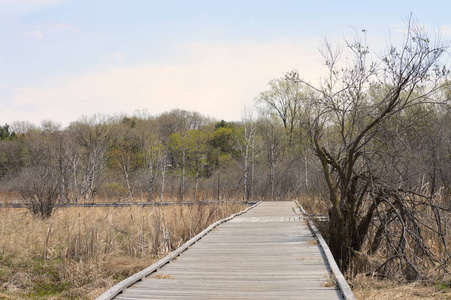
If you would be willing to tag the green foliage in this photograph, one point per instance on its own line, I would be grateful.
(189, 149)
(442, 287)
(197, 145)
(175, 142)
(223, 138)
(114, 190)
(222, 144)
(5, 134)
(47, 281)
(285, 101)
(50, 282)
(6, 260)
(223, 124)
(130, 122)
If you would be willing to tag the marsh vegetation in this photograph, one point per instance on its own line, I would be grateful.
(78, 253)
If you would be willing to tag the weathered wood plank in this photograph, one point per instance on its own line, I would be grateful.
(267, 253)
(124, 284)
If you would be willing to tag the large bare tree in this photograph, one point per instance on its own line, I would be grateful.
(346, 113)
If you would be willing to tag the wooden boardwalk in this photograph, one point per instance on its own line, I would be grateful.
(266, 253)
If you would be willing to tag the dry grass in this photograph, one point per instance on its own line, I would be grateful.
(328, 281)
(313, 205)
(81, 252)
(312, 242)
(372, 288)
(163, 276)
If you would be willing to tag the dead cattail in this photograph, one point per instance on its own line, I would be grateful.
(89, 246)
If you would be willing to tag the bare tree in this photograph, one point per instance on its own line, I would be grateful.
(22, 127)
(284, 99)
(244, 143)
(346, 114)
(274, 141)
(153, 161)
(39, 180)
(94, 135)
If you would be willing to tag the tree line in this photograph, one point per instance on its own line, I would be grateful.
(178, 155)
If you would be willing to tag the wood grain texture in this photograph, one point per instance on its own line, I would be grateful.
(267, 253)
(345, 289)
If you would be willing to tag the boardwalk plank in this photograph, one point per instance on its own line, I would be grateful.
(267, 253)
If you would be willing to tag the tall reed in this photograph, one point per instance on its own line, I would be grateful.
(80, 252)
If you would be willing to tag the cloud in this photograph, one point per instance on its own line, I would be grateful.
(214, 79)
(36, 34)
(60, 27)
(52, 28)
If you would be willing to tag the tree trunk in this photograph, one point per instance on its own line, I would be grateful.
(163, 172)
(272, 171)
(182, 184)
(219, 186)
(252, 170)
(245, 167)
(195, 186)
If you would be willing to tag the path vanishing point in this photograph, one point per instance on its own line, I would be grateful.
(269, 252)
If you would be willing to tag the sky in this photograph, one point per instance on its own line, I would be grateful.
(64, 59)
